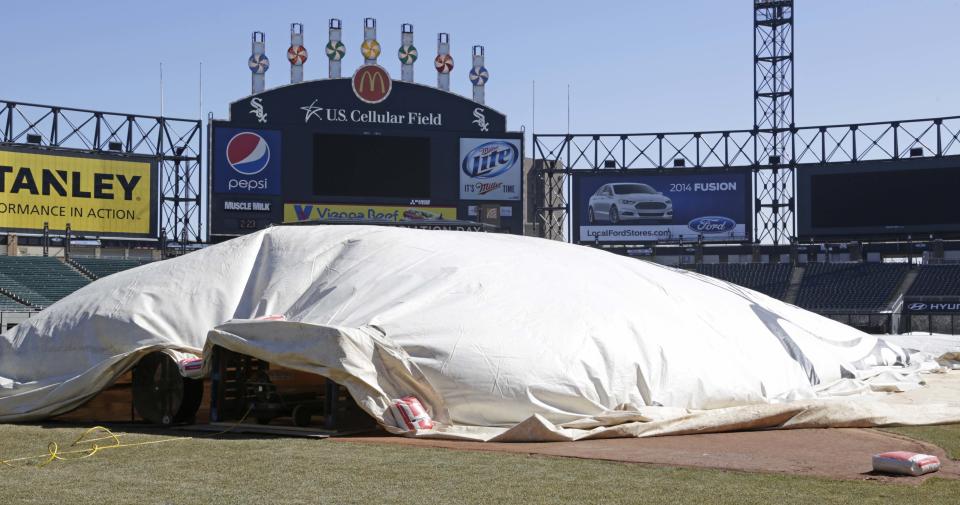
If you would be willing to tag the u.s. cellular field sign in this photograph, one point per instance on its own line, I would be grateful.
(101, 195)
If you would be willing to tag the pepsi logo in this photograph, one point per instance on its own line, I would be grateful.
(248, 153)
(712, 224)
(490, 159)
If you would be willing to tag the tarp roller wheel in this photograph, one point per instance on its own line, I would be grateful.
(161, 395)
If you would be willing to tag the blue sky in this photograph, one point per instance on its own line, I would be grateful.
(636, 66)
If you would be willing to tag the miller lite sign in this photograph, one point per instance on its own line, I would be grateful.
(490, 169)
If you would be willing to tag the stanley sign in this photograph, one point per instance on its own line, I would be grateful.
(107, 196)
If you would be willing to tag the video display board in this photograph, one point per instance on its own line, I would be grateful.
(324, 149)
(882, 198)
(103, 195)
(646, 206)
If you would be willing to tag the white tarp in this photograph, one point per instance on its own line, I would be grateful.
(488, 331)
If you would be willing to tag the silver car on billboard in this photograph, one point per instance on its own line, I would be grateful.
(619, 202)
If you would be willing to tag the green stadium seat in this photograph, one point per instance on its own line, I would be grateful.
(102, 267)
(40, 281)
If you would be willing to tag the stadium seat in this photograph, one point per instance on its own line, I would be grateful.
(857, 287)
(771, 279)
(39, 280)
(8, 304)
(936, 280)
(102, 267)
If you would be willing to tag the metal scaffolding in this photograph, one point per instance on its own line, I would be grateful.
(560, 157)
(175, 143)
(773, 119)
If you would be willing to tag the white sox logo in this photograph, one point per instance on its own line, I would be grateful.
(257, 104)
(480, 120)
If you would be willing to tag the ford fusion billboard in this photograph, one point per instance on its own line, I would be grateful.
(638, 207)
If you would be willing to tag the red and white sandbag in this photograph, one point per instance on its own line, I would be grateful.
(905, 463)
(410, 414)
(191, 368)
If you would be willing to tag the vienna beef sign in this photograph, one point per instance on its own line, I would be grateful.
(105, 196)
(306, 212)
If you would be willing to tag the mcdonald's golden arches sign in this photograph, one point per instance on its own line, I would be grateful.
(372, 84)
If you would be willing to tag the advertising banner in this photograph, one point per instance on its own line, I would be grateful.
(246, 162)
(932, 306)
(631, 207)
(302, 212)
(104, 195)
(490, 169)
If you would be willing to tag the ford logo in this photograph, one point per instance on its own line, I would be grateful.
(712, 224)
(490, 159)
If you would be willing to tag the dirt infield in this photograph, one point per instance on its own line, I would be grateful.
(834, 453)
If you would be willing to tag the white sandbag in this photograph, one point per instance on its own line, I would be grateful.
(905, 463)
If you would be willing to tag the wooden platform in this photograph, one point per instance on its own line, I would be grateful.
(115, 405)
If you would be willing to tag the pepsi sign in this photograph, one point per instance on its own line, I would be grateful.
(712, 224)
(490, 169)
(246, 161)
(248, 153)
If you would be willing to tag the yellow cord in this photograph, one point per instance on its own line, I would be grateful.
(54, 452)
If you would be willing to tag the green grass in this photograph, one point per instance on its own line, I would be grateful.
(946, 436)
(239, 470)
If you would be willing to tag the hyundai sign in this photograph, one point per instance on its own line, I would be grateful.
(249, 164)
(930, 307)
(490, 169)
(627, 207)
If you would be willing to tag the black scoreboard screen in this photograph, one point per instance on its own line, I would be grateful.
(371, 166)
(877, 198)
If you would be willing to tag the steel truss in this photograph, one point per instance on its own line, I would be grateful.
(773, 118)
(550, 198)
(175, 143)
(558, 157)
